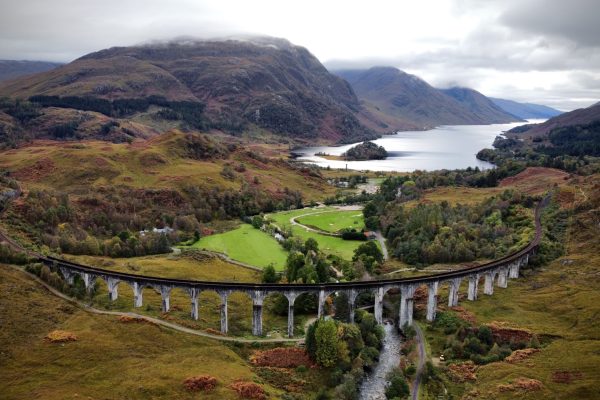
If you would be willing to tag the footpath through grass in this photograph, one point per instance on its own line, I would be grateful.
(248, 245)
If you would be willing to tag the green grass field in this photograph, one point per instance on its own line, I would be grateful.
(334, 221)
(248, 245)
(328, 244)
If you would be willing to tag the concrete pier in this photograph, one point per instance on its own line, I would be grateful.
(224, 294)
(257, 306)
(352, 295)
(194, 293)
(473, 286)
(488, 287)
(513, 270)
(406, 305)
(378, 309)
(165, 294)
(68, 275)
(291, 296)
(137, 294)
(432, 289)
(453, 291)
(502, 277)
(89, 281)
(113, 288)
(322, 299)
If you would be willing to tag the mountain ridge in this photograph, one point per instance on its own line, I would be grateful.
(273, 85)
(11, 69)
(413, 101)
(526, 110)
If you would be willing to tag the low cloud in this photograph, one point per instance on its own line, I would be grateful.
(541, 50)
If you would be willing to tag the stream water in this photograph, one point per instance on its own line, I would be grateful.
(374, 385)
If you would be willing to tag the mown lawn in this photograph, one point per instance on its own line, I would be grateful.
(248, 245)
(334, 221)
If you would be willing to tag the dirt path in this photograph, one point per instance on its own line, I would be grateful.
(421, 343)
(179, 328)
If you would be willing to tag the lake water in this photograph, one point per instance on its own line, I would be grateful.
(445, 147)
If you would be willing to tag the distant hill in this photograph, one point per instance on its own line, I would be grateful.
(526, 110)
(10, 69)
(264, 82)
(480, 105)
(582, 116)
(413, 101)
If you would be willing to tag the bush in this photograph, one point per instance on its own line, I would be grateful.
(203, 383)
(249, 390)
(347, 390)
(398, 388)
(327, 343)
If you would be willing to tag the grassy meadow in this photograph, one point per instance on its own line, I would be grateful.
(248, 245)
(328, 244)
(110, 359)
(59, 165)
(334, 221)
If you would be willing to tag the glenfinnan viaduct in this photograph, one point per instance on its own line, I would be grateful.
(495, 273)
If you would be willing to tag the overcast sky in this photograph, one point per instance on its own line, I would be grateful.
(542, 51)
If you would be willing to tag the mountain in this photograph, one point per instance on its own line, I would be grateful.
(480, 105)
(582, 116)
(10, 69)
(412, 101)
(526, 110)
(264, 82)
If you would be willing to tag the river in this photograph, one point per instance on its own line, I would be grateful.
(445, 147)
(374, 384)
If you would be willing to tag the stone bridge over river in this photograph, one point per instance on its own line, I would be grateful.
(495, 273)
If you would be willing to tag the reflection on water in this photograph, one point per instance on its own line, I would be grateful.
(446, 147)
(374, 385)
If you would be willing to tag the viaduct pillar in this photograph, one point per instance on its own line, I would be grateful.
(432, 289)
(473, 286)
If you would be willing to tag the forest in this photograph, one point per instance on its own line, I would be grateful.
(441, 233)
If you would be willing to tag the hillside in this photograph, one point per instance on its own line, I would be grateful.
(111, 357)
(10, 69)
(526, 110)
(480, 105)
(580, 116)
(184, 180)
(413, 102)
(264, 82)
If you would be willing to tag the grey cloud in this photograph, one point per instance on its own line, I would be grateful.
(575, 20)
(511, 36)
